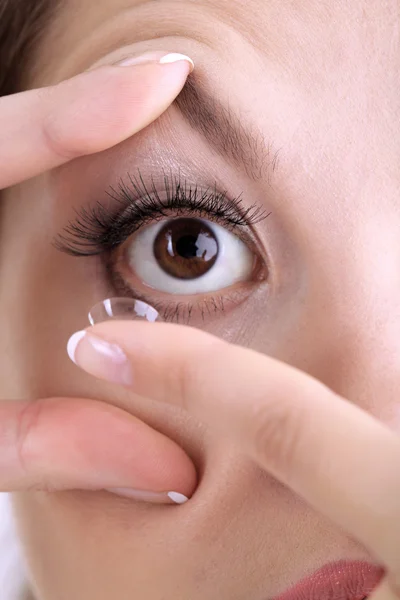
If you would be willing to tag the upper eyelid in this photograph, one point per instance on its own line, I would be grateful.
(90, 234)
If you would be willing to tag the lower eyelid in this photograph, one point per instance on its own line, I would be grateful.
(188, 310)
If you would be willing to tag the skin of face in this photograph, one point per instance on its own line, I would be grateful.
(319, 83)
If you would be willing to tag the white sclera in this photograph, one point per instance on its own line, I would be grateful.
(127, 309)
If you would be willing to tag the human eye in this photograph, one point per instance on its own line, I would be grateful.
(187, 250)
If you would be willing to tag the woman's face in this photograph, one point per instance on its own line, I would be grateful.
(294, 107)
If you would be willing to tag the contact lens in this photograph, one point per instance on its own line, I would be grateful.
(128, 309)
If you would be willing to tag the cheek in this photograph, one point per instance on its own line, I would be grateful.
(38, 295)
(21, 267)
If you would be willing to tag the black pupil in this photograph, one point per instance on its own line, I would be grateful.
(187, 247)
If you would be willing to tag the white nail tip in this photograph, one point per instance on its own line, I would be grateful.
(177, 497)
(73, 344)
(175, 57)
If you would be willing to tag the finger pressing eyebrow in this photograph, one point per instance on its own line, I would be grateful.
(242, 144)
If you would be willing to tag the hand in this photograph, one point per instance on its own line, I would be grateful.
(42, 129)
(56, 444)
(309, 438)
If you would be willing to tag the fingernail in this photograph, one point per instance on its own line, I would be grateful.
(153, 497)
(158, 57)
(100, 358)
(176, 57)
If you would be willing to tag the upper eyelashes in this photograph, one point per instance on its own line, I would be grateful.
(99, 228)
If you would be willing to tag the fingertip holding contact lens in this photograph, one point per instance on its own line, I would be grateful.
(125, 309)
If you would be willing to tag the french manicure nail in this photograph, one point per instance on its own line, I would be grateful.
(100, 358)
(153, 497)
(157, 57)
(73, 343)
(175, 57)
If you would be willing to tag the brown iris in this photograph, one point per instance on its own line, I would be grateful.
(186, 248)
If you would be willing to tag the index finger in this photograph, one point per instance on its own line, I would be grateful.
(339, 458)
(44, 128)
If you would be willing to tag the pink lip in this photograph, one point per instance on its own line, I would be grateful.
(337, 581)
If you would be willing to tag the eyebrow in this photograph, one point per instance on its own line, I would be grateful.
(224, 131)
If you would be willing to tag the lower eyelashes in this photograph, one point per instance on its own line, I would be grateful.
(198, 309)
(163, 249)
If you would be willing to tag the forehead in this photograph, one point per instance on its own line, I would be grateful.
(278, 30)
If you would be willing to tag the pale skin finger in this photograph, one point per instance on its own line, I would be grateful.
(42, 129)
(339, 458)
(69, 443)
